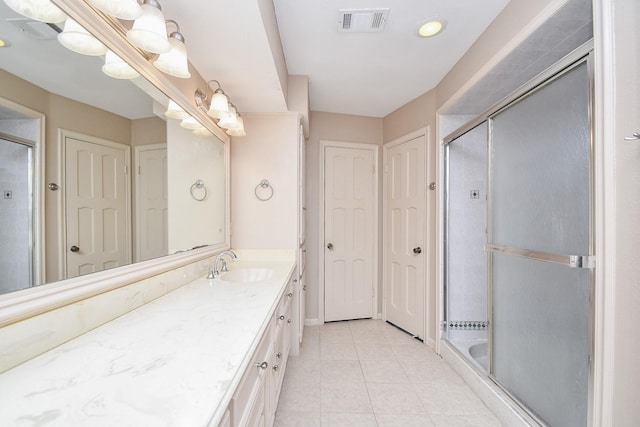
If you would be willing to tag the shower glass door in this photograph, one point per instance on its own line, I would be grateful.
(540, 248)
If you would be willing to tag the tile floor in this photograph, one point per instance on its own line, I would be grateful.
(368, 373)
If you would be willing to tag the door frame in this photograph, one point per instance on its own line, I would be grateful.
(376, 176)
(38, 211)
(424, 134)
(63, 134)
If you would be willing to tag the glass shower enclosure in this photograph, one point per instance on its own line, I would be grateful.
(538, 249)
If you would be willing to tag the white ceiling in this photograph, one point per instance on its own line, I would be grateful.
(369, 74)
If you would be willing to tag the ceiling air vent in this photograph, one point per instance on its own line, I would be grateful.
(362, 20)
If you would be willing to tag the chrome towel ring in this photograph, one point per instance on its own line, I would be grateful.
(199, 185)
(265, 189)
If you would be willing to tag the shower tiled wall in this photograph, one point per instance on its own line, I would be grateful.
(467, 219)
(15, 217)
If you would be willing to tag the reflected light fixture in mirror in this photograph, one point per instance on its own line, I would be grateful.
(123, 9)
(174, 111)
(115, 67)
(191, 123)
(75, 38)
(174, 62)
(40, 10)
(149, 31)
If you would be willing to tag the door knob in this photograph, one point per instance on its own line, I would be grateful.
(74, 248)
(330, 246)
(417, 250)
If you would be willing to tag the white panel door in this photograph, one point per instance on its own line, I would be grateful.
(404, 234)
(349, 233)
(96, 207)
(151, 206)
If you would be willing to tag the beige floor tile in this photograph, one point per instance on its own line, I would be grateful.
(345, 397)
(450, 399)
(348, 371)
(396, 336)
(298, 367)
(332, 419)
(404, 420)
(336, 350)
(419, 371)
(485, 420)
(369, 337)
(394, 399)
(383, 371)
(297, 419)
(300, 395)
(368, 351)
(415, 351)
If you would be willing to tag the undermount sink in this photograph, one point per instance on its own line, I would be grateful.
(247, 275)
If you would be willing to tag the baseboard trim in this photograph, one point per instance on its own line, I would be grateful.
(312, 322)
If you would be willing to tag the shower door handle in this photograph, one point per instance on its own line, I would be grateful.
(417, 250)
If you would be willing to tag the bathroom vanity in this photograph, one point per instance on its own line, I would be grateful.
(212, 352)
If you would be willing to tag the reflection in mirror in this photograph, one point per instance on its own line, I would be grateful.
(102, 144)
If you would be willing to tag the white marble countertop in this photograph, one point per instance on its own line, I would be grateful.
(173, 362)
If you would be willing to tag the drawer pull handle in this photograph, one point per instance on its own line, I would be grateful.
(275, 368)
(281, 317)
(279, 355)
(263, 365)
(289, 321)
(290, 294)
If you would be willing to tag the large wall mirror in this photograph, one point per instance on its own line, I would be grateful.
(93, 174)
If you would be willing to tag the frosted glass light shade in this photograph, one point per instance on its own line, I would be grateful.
(149, 31)
(231, 121)
(219, 108)
(174, 62)
(123, 9)
(237, 130)
(116, 67)
(74, 37)
(191, 123)
(174, 111)
(40, 10)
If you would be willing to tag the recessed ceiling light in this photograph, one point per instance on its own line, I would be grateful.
(4, 43)
(432, 27)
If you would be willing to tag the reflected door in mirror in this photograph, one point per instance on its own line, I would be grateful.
(96, 206)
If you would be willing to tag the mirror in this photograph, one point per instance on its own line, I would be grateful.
(58, 110)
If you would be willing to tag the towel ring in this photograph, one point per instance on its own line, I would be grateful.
(199, 184)
(264, 184)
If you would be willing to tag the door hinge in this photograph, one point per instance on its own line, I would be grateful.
(126, 170)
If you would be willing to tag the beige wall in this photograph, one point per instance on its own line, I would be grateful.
(61, 113)
(269, 151)
(330, 127)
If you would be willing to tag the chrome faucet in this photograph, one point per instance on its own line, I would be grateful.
(213, 270)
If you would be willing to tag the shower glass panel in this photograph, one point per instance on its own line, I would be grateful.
(16, 216)
(466, 259)
(540, 217)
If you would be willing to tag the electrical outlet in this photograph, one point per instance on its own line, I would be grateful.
(474, 194)
(8, 194)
